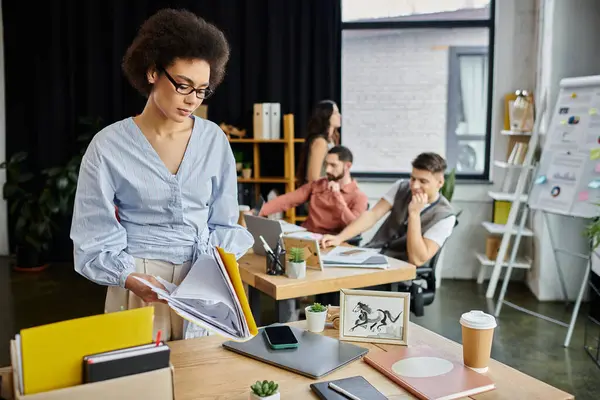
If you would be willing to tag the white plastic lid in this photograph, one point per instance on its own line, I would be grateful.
(244, 208)
(476, 319)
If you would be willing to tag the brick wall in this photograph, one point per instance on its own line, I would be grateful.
(394, 93)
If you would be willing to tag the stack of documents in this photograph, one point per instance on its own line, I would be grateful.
(357, 257)
(212, 296)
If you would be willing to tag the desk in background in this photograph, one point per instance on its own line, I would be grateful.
(281, 288)
(205, 370)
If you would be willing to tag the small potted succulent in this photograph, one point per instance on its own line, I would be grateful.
(265, 390)
(315, 317)
(296, 265)
(247, 171)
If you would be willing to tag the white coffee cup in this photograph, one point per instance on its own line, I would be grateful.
(477, 336)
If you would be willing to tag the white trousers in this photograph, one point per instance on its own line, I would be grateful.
(173, 327)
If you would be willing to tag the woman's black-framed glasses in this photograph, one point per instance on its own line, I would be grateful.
(185, 89)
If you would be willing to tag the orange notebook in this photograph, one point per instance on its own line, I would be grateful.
(428, 374)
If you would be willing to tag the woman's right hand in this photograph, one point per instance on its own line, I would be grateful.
(141, 290)
(330, 241)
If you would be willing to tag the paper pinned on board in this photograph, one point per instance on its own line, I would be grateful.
(595, 154)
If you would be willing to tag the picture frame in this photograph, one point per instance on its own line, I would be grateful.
(312, 250)
(387, 314)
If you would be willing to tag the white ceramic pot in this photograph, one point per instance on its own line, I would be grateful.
(274, 396)
(315, 320)
(295, 270)
(247, 173)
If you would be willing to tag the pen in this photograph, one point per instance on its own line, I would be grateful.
(266, 245)
(342, 391)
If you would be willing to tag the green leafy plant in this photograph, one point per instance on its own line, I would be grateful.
(247, 165)
(296, 255)
(36, 200)
(264, 388)
(239, 156)
(31, 206)
(449, 182)
(317, 307)
(592, 232)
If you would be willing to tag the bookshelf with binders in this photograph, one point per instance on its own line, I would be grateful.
(264, 142)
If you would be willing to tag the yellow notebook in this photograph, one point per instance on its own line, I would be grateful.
(53, 354)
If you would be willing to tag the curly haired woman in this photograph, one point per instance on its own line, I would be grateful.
(171, 174)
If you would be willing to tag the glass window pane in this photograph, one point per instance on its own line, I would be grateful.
(406, 91)
(414, 10)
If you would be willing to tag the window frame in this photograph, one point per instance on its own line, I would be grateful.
(445, 24)
(454, 100)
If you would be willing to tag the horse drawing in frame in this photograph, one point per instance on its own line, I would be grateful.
(376, 319)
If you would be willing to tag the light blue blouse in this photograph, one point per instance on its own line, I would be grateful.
(164, 216)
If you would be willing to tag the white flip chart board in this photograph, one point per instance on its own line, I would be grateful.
(568, 177)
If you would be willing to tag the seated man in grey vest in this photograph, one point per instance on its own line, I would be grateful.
(420, 221)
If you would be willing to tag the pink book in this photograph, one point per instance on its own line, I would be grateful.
(429, 374)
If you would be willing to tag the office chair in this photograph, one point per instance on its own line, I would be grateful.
(421, 295)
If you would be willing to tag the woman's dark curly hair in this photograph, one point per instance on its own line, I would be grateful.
(171, 34)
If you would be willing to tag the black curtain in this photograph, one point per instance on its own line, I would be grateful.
(63, 62)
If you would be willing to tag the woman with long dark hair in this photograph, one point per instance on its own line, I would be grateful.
(322, 134)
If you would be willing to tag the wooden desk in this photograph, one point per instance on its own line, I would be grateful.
(253, 266)
(205, 370)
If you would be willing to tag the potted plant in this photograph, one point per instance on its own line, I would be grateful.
(316, 314)
(296, 265)
(265, 390)
(447, 191)
(32, 208)
(247, 171)
(36, 201)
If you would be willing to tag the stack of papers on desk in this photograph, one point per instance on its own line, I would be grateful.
(212, 296)
(357, 257)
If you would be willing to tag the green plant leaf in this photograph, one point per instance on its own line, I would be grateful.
(9, 190)
(447, 189)
(52, 171)
(318, 307)
(296, 255)
(18, 157)
(34, 243)
(26, 176)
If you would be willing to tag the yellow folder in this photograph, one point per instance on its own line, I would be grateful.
(234, 274)
(53, 354)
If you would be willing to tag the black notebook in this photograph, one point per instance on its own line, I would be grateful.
(356, 385)
(124, 362)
